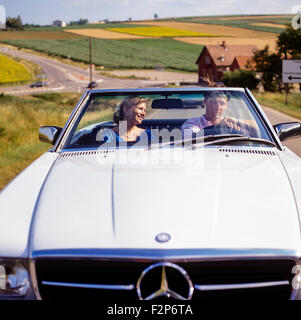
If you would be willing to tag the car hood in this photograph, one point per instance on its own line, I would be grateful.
(210, 198)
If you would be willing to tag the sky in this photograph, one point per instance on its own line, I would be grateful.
(44, 12)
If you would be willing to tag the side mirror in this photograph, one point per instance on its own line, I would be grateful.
(49, 134)
(288, 130)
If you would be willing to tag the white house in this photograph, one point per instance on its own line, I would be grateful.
(59, 23)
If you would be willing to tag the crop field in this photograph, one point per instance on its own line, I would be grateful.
(121, 54)
(260, 43)
(12, 71)
(175, 43)
(268, 23)
(240, 24)
(36, 35)
(160, 32)
(220, 30)
(231, 35)
(84, 26)
(103, 34)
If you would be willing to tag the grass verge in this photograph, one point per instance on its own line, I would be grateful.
(20, 119)
(277, 102)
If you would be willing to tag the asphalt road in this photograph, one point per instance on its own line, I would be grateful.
(68, 78)
(278, 117)
(64, 77)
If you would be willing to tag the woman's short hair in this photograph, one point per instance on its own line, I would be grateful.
(126, 104)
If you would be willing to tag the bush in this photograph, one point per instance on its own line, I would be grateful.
(241, 78)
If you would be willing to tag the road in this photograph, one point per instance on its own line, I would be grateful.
(64, 77)
(278, 117)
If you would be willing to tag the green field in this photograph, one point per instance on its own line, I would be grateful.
(20, 119)
(37, 35)
(121, 54)
(84, 26)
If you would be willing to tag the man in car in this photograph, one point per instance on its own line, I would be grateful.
(216, 103)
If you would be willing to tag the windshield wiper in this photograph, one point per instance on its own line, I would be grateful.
(197, 139)
(220, 139)
(242, 138)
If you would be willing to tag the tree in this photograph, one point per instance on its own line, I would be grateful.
(289, 42)
(241, 78)
(269, 66)
(155, 16)
(14, 23)
(79, 22)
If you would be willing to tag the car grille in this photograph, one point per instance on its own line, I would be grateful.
(53, 275)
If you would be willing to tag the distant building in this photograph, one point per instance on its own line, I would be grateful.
(59, 23)
(2, 17)
(241, 63)
(214, 60)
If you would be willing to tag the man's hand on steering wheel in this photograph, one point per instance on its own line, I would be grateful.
(231, 123)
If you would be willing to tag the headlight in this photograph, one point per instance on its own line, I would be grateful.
(14, 279)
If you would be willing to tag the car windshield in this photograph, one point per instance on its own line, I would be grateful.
(167, 118)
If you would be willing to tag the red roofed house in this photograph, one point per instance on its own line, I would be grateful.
(241, 63)
(214, 60)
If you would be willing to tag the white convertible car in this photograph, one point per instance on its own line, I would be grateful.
(188, 195)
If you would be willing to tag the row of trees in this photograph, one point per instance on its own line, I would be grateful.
(79, 22)
(267, 64)
(14, 23)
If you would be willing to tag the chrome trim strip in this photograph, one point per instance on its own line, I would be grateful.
(69, 124)
(90, 286)
(216, 287)
(113, 201)
(34, 281)
(160, 90)
(265, 118)
(166, 254)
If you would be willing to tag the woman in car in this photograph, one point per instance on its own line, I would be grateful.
(128, 116)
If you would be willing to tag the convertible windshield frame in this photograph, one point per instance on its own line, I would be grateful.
(88, 96)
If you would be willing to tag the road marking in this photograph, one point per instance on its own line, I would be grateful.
(32, 90)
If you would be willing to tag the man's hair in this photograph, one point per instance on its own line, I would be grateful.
(217, 94)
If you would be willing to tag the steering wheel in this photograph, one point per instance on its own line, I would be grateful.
(220, 129)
